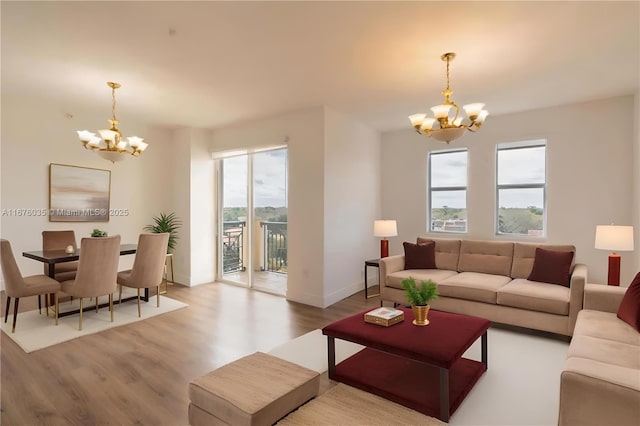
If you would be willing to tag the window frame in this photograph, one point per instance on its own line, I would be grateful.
(430, 190)
(519, 145)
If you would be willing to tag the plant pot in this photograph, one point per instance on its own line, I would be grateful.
(420, 314)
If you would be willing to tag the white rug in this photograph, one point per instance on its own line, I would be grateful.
(35, 331)
(521, 386)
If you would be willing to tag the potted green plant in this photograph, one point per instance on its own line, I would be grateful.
(98, 233)
(419, 298)
(168, 223)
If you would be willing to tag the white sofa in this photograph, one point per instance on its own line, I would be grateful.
(488, 279)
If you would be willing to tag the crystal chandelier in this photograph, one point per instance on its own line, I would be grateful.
(447, 126)
(111, 145)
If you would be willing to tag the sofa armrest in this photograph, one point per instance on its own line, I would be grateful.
(576, 293)
(605, 298)
(389, 265)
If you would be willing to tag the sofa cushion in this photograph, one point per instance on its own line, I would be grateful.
(447, 252)
(472, 286)
(535, 296)
(525, 253)
(604, 350)
(436, 275)
(629, 310)
(419, 256)
(605, 325)
(489, 257)
(553, 267)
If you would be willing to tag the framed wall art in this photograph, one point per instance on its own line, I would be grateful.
(78, 194)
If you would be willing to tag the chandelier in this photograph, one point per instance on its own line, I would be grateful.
(447, 125)
(111, 145)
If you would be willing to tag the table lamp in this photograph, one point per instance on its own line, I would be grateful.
(616, 238)
(384, 228)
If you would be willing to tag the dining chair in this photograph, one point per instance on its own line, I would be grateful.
(97, 271)
(59, 240)
(17, 286)
(148, 266)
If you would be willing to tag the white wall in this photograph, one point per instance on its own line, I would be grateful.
(35, 132)
(351, 203)
(589, 175)
(305, 132)
(202, 204)
(180, 169)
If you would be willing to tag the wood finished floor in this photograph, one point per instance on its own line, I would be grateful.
(138, 373)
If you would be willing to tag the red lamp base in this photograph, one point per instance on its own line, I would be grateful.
(614, 269)
(384, 248)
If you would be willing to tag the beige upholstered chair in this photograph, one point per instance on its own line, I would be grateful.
(59, 240)
(18, 286)
(97, 271)
(148, 266)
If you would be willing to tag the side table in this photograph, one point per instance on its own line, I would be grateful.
(374, 263)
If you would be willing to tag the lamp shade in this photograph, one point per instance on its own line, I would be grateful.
(613, 237)
(385, 228)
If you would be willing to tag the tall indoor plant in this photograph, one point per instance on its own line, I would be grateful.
(419, 298)
(169, 223)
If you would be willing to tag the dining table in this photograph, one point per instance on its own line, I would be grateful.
(53, 257)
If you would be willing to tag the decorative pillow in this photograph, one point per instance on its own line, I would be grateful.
(420, 256)
(553, 267)
(629, 310)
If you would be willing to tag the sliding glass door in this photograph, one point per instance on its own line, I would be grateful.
(253, 231)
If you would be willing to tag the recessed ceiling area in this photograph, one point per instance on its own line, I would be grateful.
(210, 64)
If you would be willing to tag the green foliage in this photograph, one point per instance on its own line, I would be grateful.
(522, 221)
(427, 292)
(448, 213)
(166, 223)
(270, 214)
(98, 233)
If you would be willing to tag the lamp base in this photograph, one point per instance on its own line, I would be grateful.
(614, 269)
(384, 248)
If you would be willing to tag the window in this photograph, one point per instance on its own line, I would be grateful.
(521, 187)
(448, 191)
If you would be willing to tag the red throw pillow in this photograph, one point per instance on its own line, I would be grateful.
(553, 267)
(420, 256)
(629, 309)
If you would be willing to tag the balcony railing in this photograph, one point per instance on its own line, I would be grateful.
(272, 249)
(233, 246)
(274, 236)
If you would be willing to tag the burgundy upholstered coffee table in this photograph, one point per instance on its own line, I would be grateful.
(419, 367)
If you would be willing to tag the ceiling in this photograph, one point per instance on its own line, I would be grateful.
(210, 64)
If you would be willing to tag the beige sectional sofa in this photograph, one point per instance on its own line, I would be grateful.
(488, 279)
(600, 382)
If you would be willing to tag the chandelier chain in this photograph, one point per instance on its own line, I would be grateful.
(113, 103)
(447, 73)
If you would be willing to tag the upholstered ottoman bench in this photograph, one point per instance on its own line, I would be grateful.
(258, 389)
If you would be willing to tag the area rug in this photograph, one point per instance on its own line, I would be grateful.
(344, 405)
(310, 351)
(521, 386)
(35, 331)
